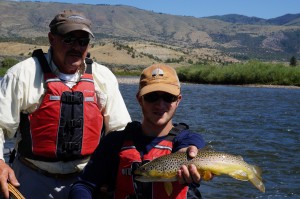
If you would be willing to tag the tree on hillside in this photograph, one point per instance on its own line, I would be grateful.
(293, 61)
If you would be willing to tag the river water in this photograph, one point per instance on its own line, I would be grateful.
(260, 124)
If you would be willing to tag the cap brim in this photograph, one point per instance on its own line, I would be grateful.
(169, 88)
(66, 28)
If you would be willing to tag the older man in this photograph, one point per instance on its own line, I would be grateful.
(60, 102)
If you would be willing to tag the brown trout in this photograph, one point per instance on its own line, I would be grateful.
(164, 168)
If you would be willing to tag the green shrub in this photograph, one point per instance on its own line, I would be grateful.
(6, 64)
(253, 72)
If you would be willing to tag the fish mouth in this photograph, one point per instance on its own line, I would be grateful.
(137, 172)
(138, 175)
(142, 178)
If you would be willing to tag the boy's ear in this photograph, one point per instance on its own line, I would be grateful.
(138, 98)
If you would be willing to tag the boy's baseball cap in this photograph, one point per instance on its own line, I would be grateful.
(159, 77)
(68, 21)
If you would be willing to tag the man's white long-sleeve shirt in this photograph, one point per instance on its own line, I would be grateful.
(23, 87)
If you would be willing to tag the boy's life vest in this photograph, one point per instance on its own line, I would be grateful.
(131, 157)
(67, 125)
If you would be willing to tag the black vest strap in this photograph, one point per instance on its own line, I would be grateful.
(89, 63)
(176, 130)
(43, 61)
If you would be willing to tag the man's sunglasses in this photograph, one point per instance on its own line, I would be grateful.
(155, 96)
(71, 40)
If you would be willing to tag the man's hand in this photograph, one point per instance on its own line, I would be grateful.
(187, 175)
(6, 174)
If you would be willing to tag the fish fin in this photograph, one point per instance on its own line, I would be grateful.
(256, 178)
(257, 171)
(168, 188)
(240, 157)
(239, 175)
(207, 148)
(206, 175)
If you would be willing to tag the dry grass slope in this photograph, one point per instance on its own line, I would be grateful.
(145, 37)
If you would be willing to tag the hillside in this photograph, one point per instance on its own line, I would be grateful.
(285, 20)
(130, 36)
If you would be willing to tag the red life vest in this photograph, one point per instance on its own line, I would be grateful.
(130, 158)
(67, 124)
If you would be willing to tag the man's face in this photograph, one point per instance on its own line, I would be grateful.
(158, 107)
(70, 50)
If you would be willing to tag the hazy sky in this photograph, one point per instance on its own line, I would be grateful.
(201, 8)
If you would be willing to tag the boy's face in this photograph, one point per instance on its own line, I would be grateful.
(158, 107)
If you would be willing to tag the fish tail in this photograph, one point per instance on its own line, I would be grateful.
(256, 178)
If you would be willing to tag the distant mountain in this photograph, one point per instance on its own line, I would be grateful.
(236, 36)
(240, 19)
(286, 20)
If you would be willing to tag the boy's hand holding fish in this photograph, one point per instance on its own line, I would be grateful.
(188, 173)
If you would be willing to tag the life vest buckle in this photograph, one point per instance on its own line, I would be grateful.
(70, 146)
(127, 171)
(75, 123)
(72, 98)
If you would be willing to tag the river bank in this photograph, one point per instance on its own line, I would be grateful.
(135, 80)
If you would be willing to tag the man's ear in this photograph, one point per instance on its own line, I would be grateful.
(50, 38)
